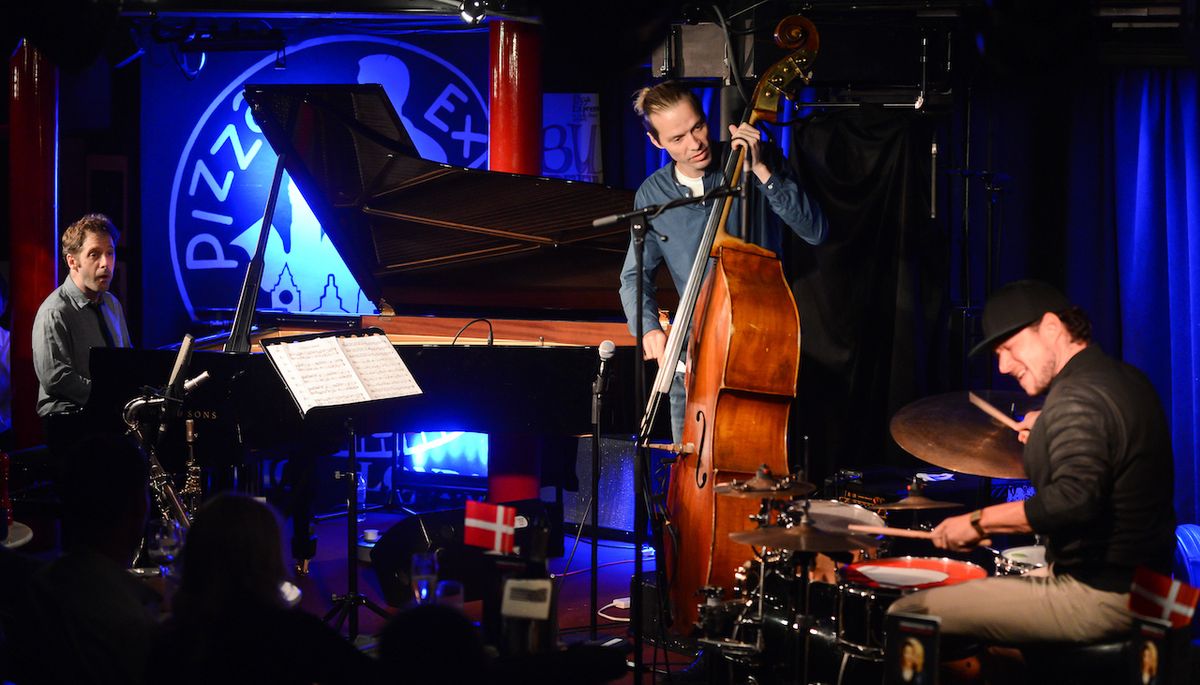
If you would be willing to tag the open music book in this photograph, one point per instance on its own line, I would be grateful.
(336, 370)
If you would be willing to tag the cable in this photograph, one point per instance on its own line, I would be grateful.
(601, 614)
(491, 331)
(735, 65)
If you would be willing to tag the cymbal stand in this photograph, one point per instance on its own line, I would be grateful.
(346, 606)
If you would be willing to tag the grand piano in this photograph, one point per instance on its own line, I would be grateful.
(434, 247)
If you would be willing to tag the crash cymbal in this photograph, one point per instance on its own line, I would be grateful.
(948, 431)
(914, 502)
(747, 490)
(802, 538)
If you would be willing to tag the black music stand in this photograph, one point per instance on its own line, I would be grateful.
(341, 378)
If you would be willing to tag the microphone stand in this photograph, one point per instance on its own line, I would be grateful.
(639, 225)
(599, 387)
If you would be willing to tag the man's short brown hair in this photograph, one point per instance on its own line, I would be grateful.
(660, 98)
(75, 235)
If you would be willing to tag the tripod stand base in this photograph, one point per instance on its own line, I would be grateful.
(346, 607)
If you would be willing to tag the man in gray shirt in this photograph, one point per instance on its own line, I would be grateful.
(79, 315)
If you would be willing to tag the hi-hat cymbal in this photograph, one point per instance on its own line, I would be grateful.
(914, 502)
(802, 538)
(948, 431)
(747, 490)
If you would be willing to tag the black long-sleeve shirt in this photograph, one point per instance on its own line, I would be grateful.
(1100, 458)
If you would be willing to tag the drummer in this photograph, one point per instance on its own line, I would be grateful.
(1099, 456)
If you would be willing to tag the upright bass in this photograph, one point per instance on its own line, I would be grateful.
(744, 357)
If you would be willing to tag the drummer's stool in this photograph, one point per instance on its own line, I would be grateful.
(1074, 664)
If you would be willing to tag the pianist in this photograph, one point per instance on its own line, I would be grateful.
(674, 122)
(79, 315)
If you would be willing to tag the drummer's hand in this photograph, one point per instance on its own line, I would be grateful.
(956, 534)
(1026, 425)
(654, 343)
(748, 137)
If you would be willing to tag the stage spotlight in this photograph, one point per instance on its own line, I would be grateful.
(472, 11)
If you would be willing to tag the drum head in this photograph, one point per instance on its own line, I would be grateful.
(830, 507)
(910, 573)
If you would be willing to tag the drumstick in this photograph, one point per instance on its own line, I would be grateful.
(993, 412)
(901, 532)
(893, 532)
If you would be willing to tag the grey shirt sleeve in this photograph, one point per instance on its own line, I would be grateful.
(52, 359)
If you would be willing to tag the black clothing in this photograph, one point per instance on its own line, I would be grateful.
(1100, 458)
(257, 645)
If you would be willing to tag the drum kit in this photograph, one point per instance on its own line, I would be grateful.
(809, 605)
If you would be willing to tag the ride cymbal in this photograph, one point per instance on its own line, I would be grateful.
(914, 502)
(948, 431)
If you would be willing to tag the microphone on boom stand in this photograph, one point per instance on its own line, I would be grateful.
(599, 386)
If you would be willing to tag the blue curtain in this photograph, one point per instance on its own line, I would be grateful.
(1156, 168)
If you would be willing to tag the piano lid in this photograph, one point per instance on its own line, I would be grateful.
(415, 232)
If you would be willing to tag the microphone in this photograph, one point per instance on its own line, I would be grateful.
(193, 383)
(606, 350)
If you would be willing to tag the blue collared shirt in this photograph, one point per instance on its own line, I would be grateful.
(64, 332)
(677, 232)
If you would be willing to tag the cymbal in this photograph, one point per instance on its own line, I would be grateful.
(747, 490)
(914, 502)
(802, 538)
(948, 431)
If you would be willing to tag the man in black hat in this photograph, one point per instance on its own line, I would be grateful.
(1099, 456)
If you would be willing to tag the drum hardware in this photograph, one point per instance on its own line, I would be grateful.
(947, 431)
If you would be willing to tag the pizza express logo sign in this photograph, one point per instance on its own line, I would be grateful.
(224, 175)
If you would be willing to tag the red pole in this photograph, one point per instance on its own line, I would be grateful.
(33, 190)
(514, 145)
(515, 101)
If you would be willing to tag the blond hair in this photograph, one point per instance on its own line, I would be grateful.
(75, 235)
(660, 98)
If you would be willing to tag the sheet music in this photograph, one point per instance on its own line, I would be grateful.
(332, 371)
(381, 370)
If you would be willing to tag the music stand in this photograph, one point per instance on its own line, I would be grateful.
(344, 377)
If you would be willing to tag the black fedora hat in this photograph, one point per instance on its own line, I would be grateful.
(1014, 307)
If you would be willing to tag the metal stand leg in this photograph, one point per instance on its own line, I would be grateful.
(346, 606)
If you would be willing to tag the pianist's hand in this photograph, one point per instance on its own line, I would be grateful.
(654, 343)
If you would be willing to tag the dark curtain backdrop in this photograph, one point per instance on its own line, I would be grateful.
(873, 298)
(1156, 173)
(1133, 243)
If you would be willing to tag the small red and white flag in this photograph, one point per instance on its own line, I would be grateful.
(1157, 596)
(490, 526)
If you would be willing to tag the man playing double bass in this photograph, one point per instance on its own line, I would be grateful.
(675, 122)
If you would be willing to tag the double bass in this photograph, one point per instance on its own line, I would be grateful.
(744, 360)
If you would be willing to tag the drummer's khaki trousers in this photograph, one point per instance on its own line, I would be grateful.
(1020, 609)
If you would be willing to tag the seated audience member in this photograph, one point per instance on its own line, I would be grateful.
(86, 619)
(230, 623)
(433, 645)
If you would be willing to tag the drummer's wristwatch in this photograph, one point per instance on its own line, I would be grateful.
(975, 518)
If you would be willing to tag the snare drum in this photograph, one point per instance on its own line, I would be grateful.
(1018, 561)
(868, 588)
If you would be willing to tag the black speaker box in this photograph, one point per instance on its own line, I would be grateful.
(442, 532)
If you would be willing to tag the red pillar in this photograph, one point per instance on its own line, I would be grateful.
(33, 191)
(514, 145)
(515, 100)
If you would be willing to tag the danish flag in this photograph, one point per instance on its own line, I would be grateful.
(1157, 596)
(490, 526)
